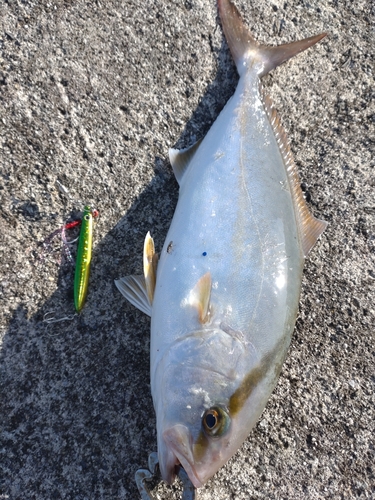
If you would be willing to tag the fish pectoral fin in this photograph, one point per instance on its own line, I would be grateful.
(200, 297)
(150, 262)
(133, 288)
(181, 158)
(309, 227)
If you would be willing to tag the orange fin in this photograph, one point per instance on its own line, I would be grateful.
(150, 259)
(200, 297)
(247, 52)
(309, 227)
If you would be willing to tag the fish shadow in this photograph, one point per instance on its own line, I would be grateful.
(76, 408)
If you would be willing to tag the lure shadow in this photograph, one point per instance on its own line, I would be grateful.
(76, 407)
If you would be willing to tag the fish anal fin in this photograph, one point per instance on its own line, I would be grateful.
(181, 158)
(150, 259)
(133, 288)
(309, 227)
(200, 297)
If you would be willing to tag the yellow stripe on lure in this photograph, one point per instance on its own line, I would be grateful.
(82, 272)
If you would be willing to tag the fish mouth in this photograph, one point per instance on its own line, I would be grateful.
(178, 442)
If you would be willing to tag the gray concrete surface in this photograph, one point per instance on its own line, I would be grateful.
(92, 94)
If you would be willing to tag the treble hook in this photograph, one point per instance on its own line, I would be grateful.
(142, 476)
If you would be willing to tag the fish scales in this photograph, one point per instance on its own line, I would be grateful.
(225, 211)
(252, 252)
(226, 298)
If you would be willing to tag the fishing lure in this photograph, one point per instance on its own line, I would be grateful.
(46, 243)
(82, 272)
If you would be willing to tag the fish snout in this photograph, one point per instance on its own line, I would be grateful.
(179, 442)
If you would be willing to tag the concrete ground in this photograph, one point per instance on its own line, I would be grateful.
(92, 95)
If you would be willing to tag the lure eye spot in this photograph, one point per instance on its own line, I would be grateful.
(87, 217)
(215, 421)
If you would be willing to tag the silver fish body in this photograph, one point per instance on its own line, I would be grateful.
(234, 219)
(228, 280)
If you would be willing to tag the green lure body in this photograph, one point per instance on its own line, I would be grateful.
(82, 272)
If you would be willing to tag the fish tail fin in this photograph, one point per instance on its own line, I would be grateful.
(247, 51)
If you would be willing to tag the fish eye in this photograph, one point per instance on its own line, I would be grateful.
(215, 421)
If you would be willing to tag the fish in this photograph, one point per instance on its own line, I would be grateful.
(223, 295)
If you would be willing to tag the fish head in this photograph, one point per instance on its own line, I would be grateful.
(198, 425)
(198, 450)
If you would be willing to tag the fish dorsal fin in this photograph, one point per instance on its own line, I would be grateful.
(150, 260)
(309, 227)
(200, 297)
(181, 158)
(133, 288)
